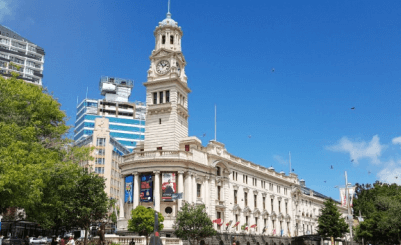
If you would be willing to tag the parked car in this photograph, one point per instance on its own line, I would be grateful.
(38, 240)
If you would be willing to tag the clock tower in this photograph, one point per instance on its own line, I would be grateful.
(166, 90)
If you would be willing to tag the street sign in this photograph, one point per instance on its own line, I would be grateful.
(176, 196)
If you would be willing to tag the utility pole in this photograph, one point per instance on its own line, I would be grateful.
(350, 218)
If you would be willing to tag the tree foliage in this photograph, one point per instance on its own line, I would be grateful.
(330, 222)
(38, 164)
(86, 201)
(143, 220)
(193, 224)
(380, 206)
(31, 130)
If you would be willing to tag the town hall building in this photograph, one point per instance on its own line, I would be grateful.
(236, 193)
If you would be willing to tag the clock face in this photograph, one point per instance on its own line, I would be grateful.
(163, 67)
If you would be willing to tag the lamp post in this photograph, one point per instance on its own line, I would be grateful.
(350, 218)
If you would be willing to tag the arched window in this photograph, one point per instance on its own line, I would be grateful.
(247, 243)
(163, 39)
(237, 243)
(257, 243)
(221, 243)
(266, 243)
(171, 39)
(202, 242)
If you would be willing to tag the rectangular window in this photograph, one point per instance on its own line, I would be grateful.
(286, 208)
(198, 190)
(218, 171)
(159, 148)
(235, 196)
(272, 205)
(246, 198)
(218, 192)
(255, 201)
(264, 223)
(186, 147)
(155, 98)
(167, 96)
(243, 178)
(100, 161)
(256, 223)
(264, 203)
(236, 220)
(279, 206)
(236, 176)
(100, 152)
(246, 220)
(161, 97)
(246, 179)
(171, 39)
(101, 142)
(233, 175)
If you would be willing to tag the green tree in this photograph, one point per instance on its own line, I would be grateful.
(86, 201)
(32, 127)
(330, 222)
(143, 220)
(380, 206)
(193, 224)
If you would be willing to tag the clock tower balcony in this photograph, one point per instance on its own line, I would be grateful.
(159, 108)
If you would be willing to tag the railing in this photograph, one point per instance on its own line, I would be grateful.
(185, 155)
(139, 240)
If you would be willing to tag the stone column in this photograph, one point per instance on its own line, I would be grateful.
(207, 195)
(194, 188)
(188, 184)
(180, 187)
(156, 191)
(122, 196)
(136, 193)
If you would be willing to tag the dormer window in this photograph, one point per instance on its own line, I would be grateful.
(163, 39)
(171, 39)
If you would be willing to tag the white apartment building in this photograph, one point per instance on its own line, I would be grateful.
(169, 161)
(15, 49)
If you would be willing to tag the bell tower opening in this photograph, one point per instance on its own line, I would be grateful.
(164, 39)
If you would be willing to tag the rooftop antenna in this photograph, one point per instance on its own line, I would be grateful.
(289, 154)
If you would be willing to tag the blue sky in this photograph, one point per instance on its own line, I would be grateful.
(327, 56)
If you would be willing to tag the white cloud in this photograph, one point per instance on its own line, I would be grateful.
(280, 159)
(360, 149)
(397, 140)
(391, 173)
(6, 9)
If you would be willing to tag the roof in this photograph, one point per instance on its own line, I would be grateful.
(305, 190)
(5, 31)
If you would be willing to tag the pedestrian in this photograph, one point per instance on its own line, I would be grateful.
(26, 240)
(54, 242)
(1, 238)
(62, 241)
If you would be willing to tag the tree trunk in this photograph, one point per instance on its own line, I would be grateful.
(86, 236)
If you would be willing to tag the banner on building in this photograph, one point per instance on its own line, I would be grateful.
(343, 197)
(169, 186)
(351, 194)
(146, 188)
(129, 188)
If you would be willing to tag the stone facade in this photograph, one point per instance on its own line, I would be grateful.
(232, 189)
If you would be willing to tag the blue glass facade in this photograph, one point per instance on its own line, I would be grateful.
(127, 131)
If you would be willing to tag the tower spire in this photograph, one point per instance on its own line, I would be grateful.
(168, 10)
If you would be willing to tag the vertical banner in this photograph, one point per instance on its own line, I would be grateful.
(351, 194)
(146, 188)
(129, 188)
(343, 197)
(169, 186)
